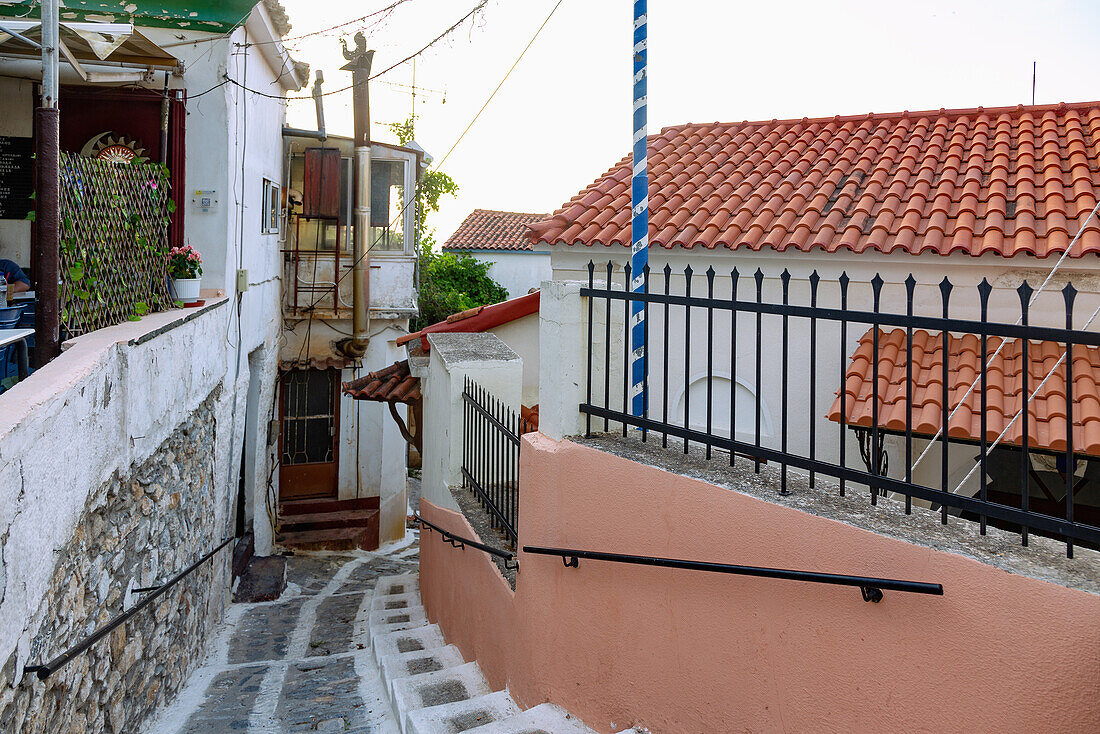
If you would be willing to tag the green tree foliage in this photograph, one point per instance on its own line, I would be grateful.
(432, 187)
(452, 283)
(449, 283)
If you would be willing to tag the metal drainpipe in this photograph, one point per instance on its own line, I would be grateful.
(359, 62)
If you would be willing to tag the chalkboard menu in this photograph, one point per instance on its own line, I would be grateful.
(16, 177)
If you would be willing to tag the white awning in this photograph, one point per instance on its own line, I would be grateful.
(117, 44)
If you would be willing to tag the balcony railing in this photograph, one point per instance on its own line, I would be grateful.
(731, 360)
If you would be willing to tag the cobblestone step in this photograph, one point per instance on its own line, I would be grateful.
(453, 718)
(396, 616)
(431, 689)
(406, 583)
(419, 638)
(385, 629)
(403, 664)
(438, 688)
(388, 602)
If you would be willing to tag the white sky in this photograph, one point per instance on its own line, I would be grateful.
(564, 116)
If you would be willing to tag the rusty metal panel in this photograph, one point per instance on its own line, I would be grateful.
(321, 197)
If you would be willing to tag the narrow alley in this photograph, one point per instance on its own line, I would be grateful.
(347, 648)
(300, 663)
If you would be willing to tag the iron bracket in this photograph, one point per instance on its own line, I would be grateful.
(570, 561)
(871, 593)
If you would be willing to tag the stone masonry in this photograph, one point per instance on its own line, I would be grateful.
(135, 531)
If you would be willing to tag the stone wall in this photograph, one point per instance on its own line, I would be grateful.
(135, 531)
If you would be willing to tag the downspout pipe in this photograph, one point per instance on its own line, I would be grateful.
(359, 63)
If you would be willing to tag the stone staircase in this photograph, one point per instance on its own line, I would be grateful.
(431, 689)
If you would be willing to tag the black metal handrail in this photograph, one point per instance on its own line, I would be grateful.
(47, 669)
(458, 541)
(870, 586)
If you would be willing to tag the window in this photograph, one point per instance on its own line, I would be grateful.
(272, 208)
(387, 206)
(321, 206)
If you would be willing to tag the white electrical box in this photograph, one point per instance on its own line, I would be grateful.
(242, 281)
(204, 200)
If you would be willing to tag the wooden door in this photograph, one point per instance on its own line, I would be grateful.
(309, 440)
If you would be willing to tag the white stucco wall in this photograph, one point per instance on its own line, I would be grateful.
(522, 337)
(963, 271)
(518, 272)
(106, 404)
(233, 140)
(453, 358)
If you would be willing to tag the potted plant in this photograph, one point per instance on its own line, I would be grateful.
(185, 267)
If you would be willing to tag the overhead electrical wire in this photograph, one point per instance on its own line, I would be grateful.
(391, 67)
(221, 37)
(466, 130)
(501, 84)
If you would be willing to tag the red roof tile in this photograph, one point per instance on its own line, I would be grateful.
(1047, 410)
(478, 319)
(491, 230)
(1008, 180)
(394, 384)
(529, 418)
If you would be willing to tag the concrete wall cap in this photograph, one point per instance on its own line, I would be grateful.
(458, 348)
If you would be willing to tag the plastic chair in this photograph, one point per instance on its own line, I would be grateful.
(26, 319)
(9, 319)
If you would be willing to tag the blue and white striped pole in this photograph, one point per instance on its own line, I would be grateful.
(639, 224)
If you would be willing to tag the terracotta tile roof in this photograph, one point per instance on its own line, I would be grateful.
(478, 319)
(1008, 180)
(529, 418)
(485, 229)
(1047, 410)
(394, 384)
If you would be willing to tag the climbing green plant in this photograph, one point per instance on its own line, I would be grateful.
(114, 241)
(432, 186)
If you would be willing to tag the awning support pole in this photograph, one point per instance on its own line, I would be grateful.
(46, 255)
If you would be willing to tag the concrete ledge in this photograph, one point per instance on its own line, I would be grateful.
(1043, 559)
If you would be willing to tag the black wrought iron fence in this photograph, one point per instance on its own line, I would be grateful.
(490, 456)
(114, 241)
(1021, 406)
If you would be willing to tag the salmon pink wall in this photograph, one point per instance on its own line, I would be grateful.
(689, 652)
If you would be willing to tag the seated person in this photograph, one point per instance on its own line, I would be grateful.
(14, 275)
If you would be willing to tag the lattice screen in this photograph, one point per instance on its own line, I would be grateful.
(114, 242)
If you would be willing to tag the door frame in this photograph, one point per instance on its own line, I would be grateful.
(314, 472)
